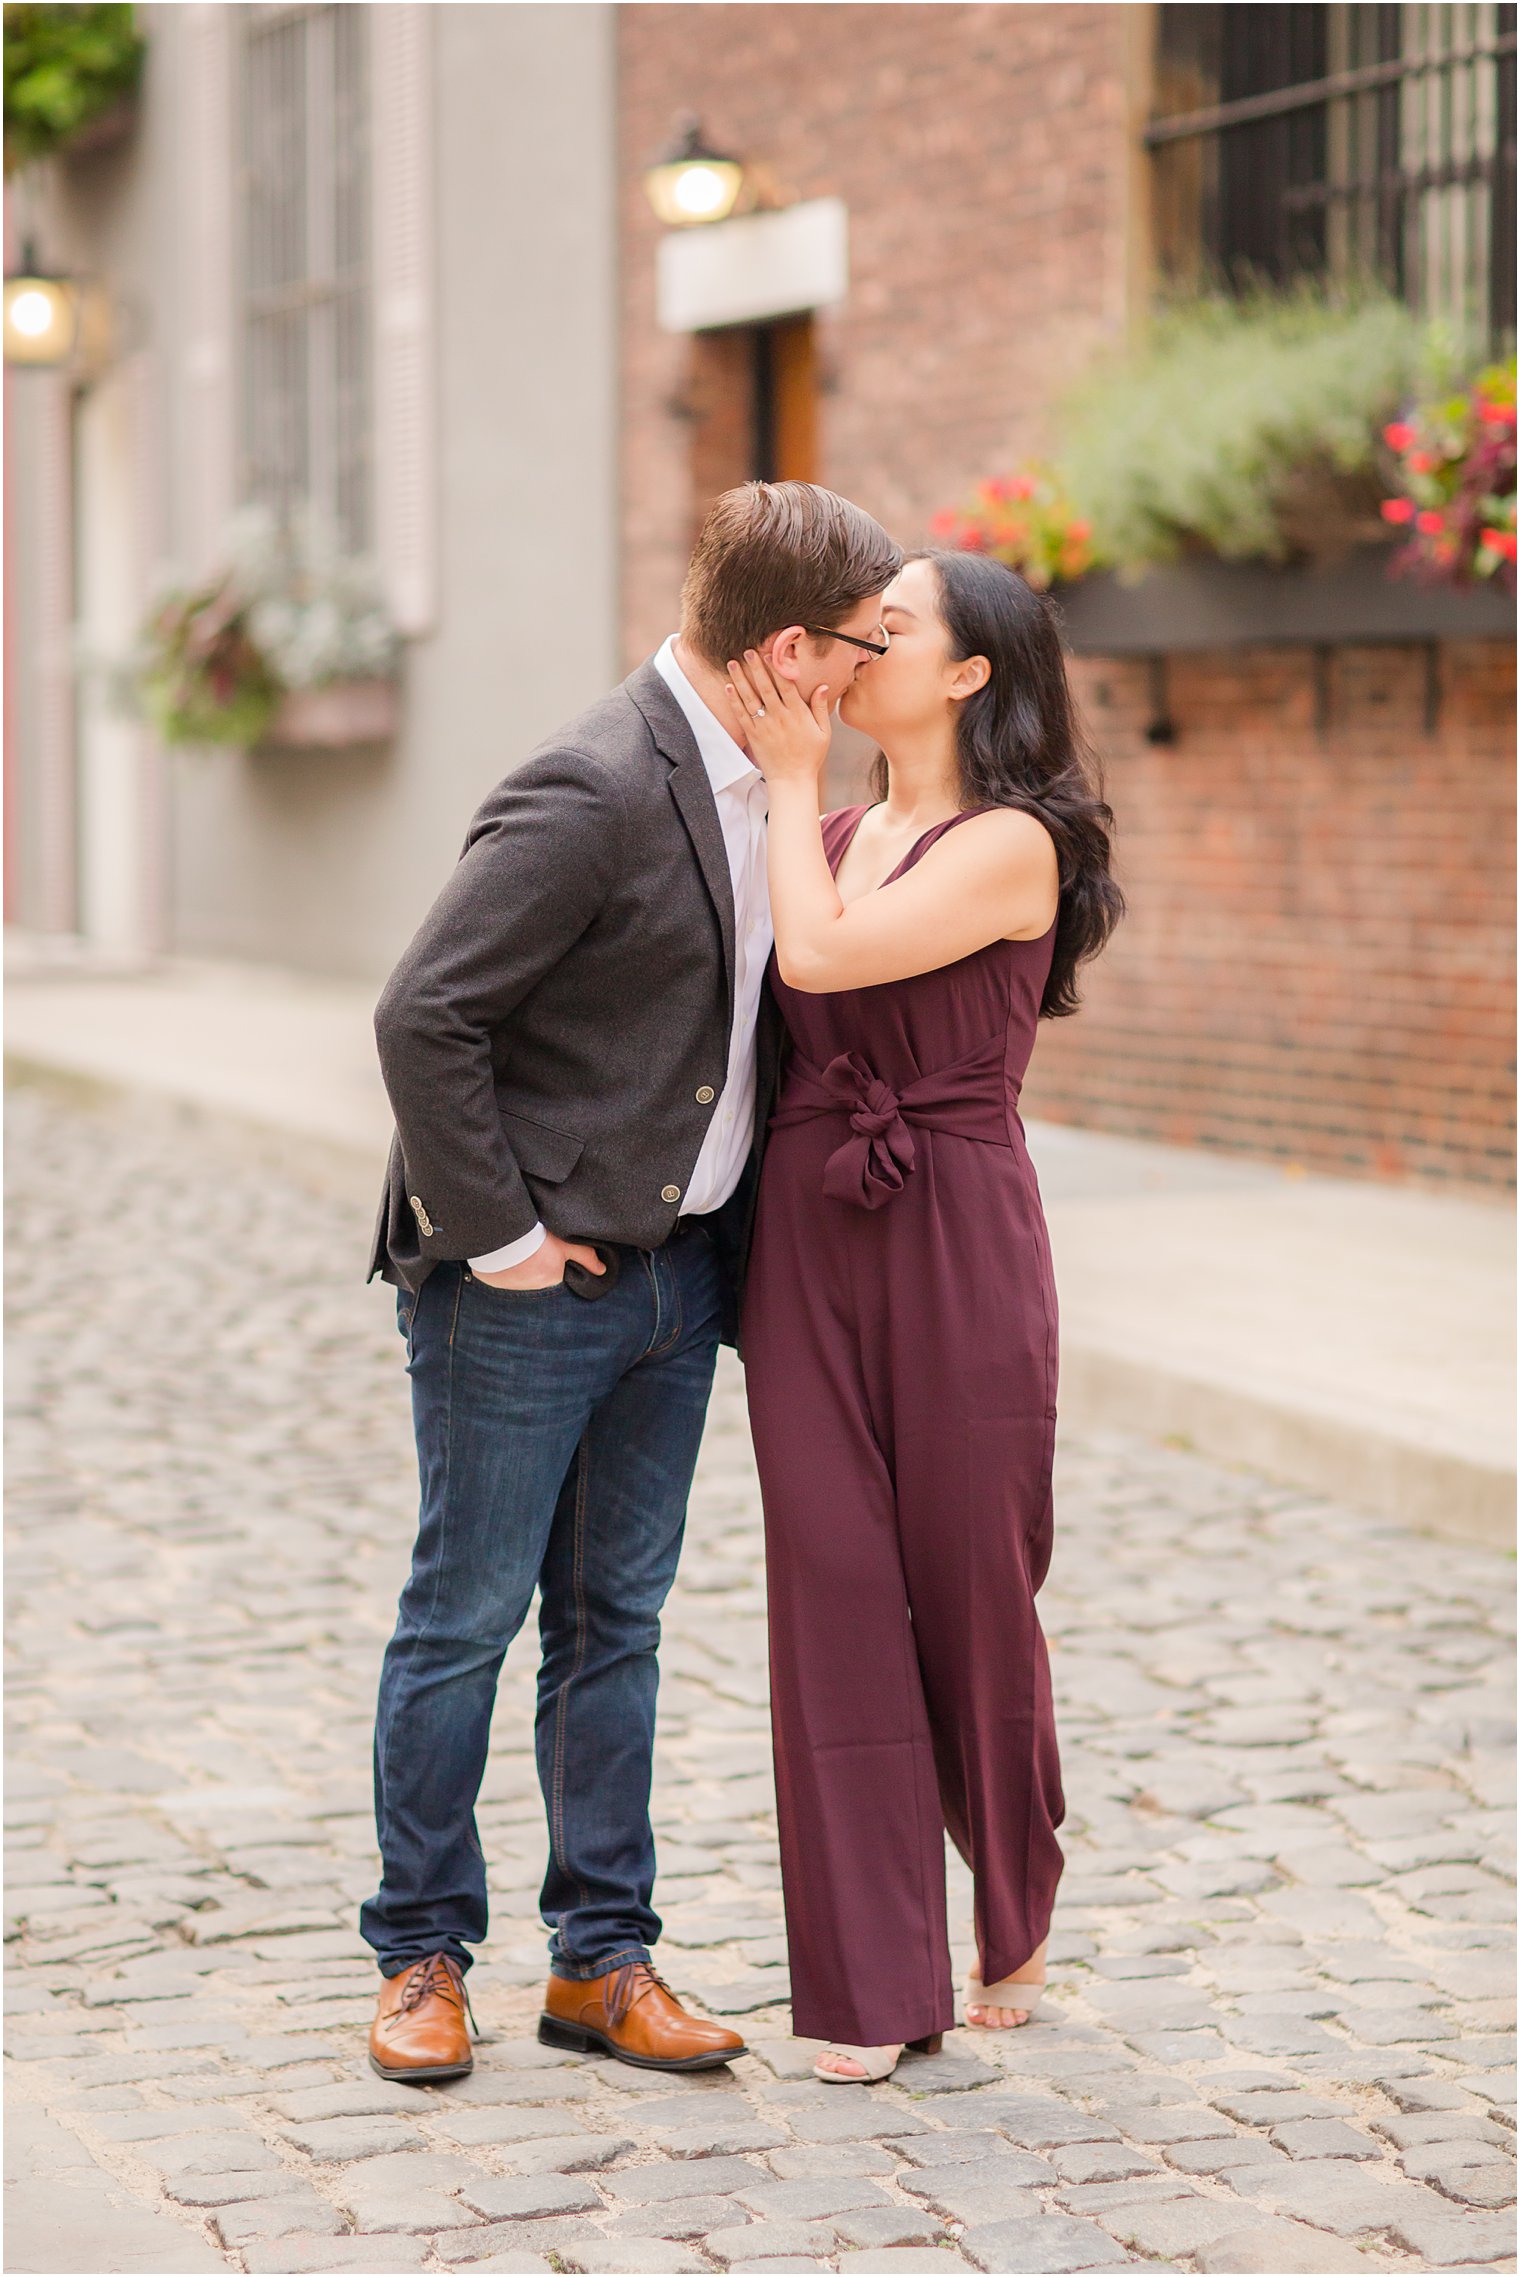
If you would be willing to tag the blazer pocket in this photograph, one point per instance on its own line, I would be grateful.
(542, 1151)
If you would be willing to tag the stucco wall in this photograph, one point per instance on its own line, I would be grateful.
(327, 862)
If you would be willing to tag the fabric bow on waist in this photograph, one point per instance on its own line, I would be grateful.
(967, 1098)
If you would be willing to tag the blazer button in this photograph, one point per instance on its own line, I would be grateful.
(424, 1222)
(670, 1193)
(706, 1095)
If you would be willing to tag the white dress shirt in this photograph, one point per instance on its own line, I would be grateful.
(739, 793)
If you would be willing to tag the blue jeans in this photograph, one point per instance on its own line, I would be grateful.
(556, 1439)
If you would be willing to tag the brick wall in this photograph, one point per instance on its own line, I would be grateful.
(1317, 964)
(982, 154)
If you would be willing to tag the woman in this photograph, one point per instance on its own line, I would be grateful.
(900, 1322)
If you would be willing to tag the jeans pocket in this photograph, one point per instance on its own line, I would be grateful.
(516, 1296)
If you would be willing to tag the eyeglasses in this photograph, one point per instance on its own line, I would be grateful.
(871, 647)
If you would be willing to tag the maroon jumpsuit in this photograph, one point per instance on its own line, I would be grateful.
(899, 1340)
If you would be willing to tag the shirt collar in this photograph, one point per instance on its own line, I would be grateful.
(725, 762)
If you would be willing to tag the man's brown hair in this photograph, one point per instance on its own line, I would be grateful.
(780, 553)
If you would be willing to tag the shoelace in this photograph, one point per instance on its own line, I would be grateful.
(629, 1984)
(441, 1978)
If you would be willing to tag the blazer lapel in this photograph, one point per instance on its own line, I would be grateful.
(693, 794)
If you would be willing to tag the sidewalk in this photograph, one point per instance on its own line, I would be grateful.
(1353, 1339)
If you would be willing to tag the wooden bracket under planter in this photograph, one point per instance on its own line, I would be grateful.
(339, 717)
(1239, 604)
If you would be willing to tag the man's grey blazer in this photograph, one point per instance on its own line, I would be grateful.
(555, 1040)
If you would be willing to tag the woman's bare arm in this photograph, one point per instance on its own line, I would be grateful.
(990, 878)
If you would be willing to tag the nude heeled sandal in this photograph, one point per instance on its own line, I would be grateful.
(876, 2063)
(1008, 1992)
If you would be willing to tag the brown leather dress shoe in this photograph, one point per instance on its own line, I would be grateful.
(632, 2014)
(421, 2030)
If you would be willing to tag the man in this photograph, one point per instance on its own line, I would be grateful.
(580, 1066)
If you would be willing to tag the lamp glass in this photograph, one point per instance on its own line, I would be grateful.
(41, 320)
(686, 191)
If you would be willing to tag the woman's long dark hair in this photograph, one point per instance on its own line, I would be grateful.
(1019, 744)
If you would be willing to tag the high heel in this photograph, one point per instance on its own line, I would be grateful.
(1009, 1992)
(875, 2062)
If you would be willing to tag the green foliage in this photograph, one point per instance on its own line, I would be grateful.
(204, 679)
(63, 67)
(289, 611)
(1244, 428)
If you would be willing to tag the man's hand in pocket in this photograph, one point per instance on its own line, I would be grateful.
(545, 1269)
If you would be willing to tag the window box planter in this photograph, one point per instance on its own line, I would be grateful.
(342, 716)
(1239, 604)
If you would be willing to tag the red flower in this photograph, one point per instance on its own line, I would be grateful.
(1397, 510)
(1423, 462)
(1501, 542)
(1429, 523)
(1398, 435)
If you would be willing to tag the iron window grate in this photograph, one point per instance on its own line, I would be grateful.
(306, 381)
(1341, 140)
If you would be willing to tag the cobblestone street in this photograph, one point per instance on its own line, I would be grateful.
(1280, 2031)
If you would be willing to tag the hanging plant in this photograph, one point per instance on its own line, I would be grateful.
(65, 67)
(290, 615)
(1456, 484)
(1026, 520)
(205, 679)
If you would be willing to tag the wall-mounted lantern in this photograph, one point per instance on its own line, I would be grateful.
(691, 183)
(41, 314)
